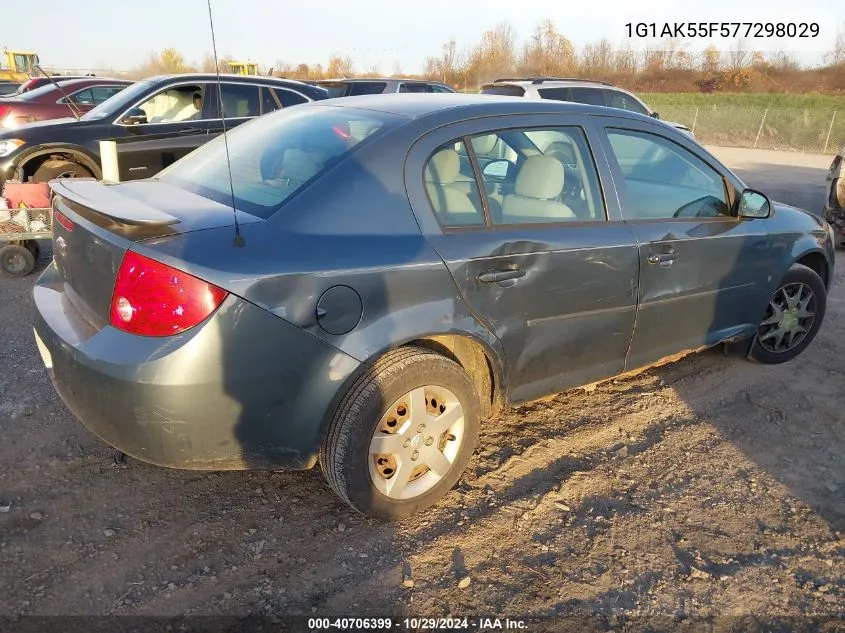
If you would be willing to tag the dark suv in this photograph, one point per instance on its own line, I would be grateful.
(154, 122)
(350, 87)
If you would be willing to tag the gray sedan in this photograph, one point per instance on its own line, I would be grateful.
(382, 273)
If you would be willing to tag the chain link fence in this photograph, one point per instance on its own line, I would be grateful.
(813, 130)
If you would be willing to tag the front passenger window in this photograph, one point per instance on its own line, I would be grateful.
(663, 180)
(175, 104)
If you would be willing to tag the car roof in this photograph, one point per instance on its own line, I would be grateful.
(69, 83)
(415, 105)
(552, 82)
(365, 79)
(213, 77)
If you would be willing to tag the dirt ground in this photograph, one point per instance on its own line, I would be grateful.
(710, 487)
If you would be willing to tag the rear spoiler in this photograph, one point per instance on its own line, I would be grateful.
(107, 200)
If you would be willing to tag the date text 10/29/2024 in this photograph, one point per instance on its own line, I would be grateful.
(416, 624)
(722, 29)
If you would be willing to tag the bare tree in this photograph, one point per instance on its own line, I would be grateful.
(168, 61)
(494, 56)
(625, 60)
(548, 52)
(837, 55)
(339, 66)
(711, 61)
(739, 56)
(597, 59)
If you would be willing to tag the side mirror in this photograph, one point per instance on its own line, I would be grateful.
(753, 204)
(655, 115)
(497, 169)
(134, 117)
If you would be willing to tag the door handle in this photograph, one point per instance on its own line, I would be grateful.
(189, 130)
(500, 275)
(664, 259)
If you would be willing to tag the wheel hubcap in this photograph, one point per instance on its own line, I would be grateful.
(16, 263)
(417, 442)
(789, 317)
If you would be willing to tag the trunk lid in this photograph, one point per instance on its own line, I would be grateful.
(95, 223)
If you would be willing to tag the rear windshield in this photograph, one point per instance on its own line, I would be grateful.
(507, 91)
(352, 88)
(276, 155)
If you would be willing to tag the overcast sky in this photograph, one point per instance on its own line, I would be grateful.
(119, 34)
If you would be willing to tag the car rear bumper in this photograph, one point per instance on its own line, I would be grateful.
(244, 390)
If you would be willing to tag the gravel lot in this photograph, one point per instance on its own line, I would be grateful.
(712, 486)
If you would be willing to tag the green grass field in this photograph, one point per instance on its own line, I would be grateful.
(799, 122)
(789, 121)
(748, 100)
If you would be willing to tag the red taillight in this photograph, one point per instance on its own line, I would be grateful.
(153, 299)
(4, 110)
(62, 219)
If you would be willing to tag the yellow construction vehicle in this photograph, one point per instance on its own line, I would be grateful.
(18, 65)
(243, 68)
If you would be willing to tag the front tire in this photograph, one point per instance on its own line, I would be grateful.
(402, 435)
(793, 317)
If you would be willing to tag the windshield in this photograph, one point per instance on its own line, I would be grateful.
(118, 102)
(276, 155)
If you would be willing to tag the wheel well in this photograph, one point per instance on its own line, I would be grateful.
(31, 166)
(816, 262)
(471, 356)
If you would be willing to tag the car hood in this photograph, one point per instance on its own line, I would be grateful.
(46, 125)
(797, 215)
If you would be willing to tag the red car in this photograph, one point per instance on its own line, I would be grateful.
(51, 101)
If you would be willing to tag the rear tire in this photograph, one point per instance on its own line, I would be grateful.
(793, 317)
(380, 407)
(57, 168)
(16, 260)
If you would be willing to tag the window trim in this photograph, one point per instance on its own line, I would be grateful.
(622, 186)
(479, 181)
(184, 83)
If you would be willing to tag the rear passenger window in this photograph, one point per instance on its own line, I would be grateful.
(414, 88)
(453, 195)
(616, 99)
(590, 96)
(554, 179)
(240, 100)
(103, 93)
(558, 94)
(366, 88)
(288, 97)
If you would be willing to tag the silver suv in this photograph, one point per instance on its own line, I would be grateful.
(576, 90)
(348, 87)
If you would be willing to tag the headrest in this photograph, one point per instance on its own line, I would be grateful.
(563, 150)
(541, 177)
(444, 167)
(484, 144)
